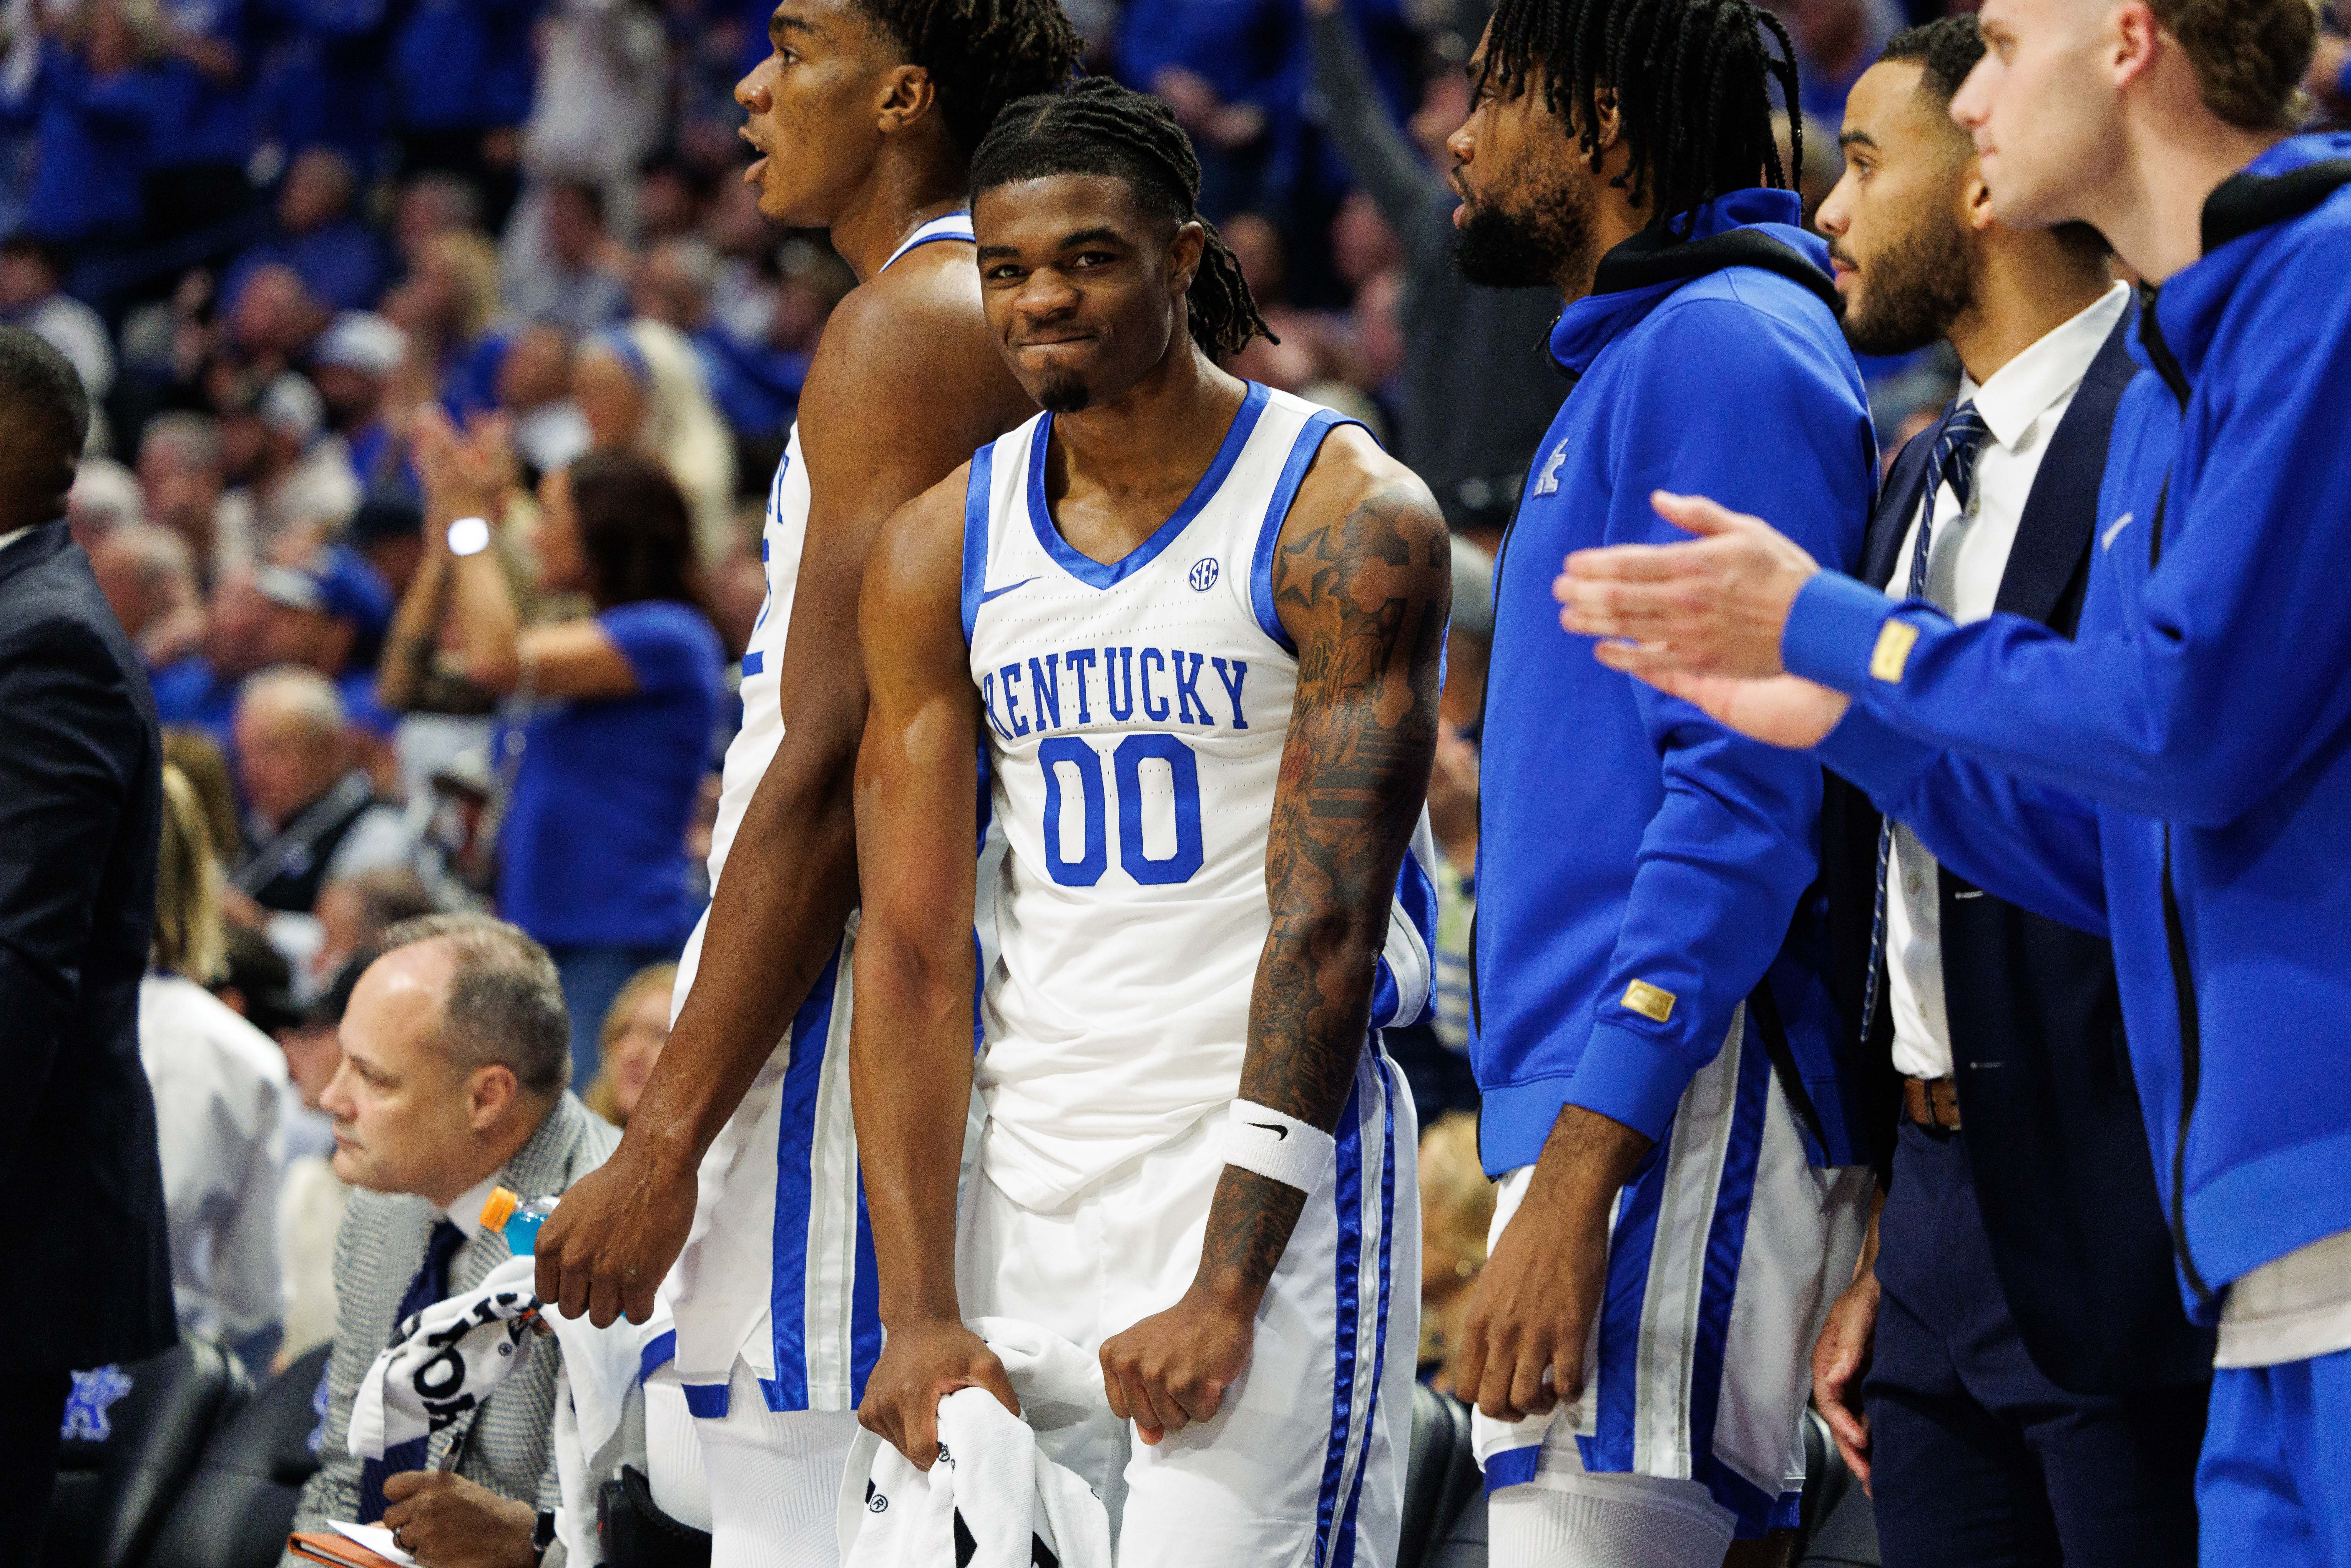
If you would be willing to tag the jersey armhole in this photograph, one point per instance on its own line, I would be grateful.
(1308, 442)
(977, 496)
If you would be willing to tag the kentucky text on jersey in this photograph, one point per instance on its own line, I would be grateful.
(1073, 687)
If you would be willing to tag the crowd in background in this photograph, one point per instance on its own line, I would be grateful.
(341, 273)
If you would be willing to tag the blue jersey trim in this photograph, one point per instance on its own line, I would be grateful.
(1624, 1292)
(955, 225)
(976, 492)
(795, 1181)
(661, 1350)
(1344, 1551)
(1512, 1467)
(706, 1400)
(1349, 1308)
(1285, 492)
(1726, 1243)
(1096, 574)
(1418, 892)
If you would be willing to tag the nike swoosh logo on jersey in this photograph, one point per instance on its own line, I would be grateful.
(1001, 592)
(1276, 1128)
(2106, 539)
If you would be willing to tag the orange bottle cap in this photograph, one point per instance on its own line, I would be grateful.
(500, 1208)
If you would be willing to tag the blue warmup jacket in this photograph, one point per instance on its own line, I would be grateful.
(1639, 868)
(2178, 777)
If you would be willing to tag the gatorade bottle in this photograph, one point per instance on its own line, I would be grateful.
(518, 1218)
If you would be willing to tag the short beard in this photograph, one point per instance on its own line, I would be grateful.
(1915, 290)
(1064, 392)
(1550, 235)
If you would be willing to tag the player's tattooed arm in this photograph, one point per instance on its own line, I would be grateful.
(1364, 589)
(1362, 582)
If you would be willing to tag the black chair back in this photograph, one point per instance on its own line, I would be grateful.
(236, 1509)
(132, 1436)
(1442, 1480)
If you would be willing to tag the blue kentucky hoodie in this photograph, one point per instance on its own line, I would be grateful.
(1640, 868)
(2179, 779)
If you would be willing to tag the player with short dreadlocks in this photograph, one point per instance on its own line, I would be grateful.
(1195, 624)
(1655, 1039)
(739, 1167)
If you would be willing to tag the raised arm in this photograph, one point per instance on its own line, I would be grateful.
(904, 389)
(1362, 585)
(909, 1051)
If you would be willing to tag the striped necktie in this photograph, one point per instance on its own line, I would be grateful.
(1952, 464)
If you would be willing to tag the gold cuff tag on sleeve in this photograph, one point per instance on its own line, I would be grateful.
(1649, 1002)
(1895, 641)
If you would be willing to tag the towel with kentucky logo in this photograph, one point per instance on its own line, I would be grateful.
(444, 1361)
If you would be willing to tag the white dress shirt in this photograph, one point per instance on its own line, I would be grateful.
(220, 1090)
(2022, 405)
(12, 536)
(466, 1213)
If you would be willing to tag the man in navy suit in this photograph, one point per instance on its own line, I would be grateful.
(2032, 1389)
(81, 1190)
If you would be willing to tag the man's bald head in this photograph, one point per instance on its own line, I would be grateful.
(45, 415)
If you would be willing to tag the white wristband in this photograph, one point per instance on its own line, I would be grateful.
(1280, 1147)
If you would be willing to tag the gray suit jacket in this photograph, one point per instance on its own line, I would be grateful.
(509, 1442)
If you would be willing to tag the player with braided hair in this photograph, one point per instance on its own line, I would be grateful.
(1653, 1030)
(1222, 608)
(736, 1191)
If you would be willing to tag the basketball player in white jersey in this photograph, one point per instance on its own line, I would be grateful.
(738, 1165)
(1197, 626)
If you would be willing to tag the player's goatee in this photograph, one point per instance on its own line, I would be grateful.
(1064, 393)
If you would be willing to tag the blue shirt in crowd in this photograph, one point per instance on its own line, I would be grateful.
(463, 64)
(342, 264)
(594, 843)
(92, 133)
(199, 119)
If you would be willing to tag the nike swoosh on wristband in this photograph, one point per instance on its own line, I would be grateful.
(999, 592)
(1276, 1128)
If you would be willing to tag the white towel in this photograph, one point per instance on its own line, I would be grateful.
(448, 1358)
(444, 1361)
(1053, 1474)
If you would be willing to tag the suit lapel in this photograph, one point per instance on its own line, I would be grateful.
(34, 548)
(1906, 487)
(2052, 538)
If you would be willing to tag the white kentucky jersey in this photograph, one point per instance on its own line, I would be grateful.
(1136, 713)
(778, 1268)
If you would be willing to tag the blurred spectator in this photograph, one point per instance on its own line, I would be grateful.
(2329, 77)
(32, 296)
(577, 275)
(181, 473)
(311, 812)
(219, 1084)
(1457, 1209)
(593, 845)
(328, 612)
(259, 985)
(598, 111)
(635, 1027)
(670, 194)
(534, 390)
(353, 370)
(451, 1085)
(201, 762)
(460, 84)
(311, 1197)
(642, 389)
(445, 307)
(355, 912)
(338, 258)
(273, 322)
(203, 692)
(388, 532)
(91, 101)
(149, 582)
(1835, 40)
(323, 83)
(105, 497)
(430, 205)
(1225, 66)
(203, 130)
(757, 384)
(298, 484)
(1477, 391)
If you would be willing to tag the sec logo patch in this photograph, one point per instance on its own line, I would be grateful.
(1204, 574)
